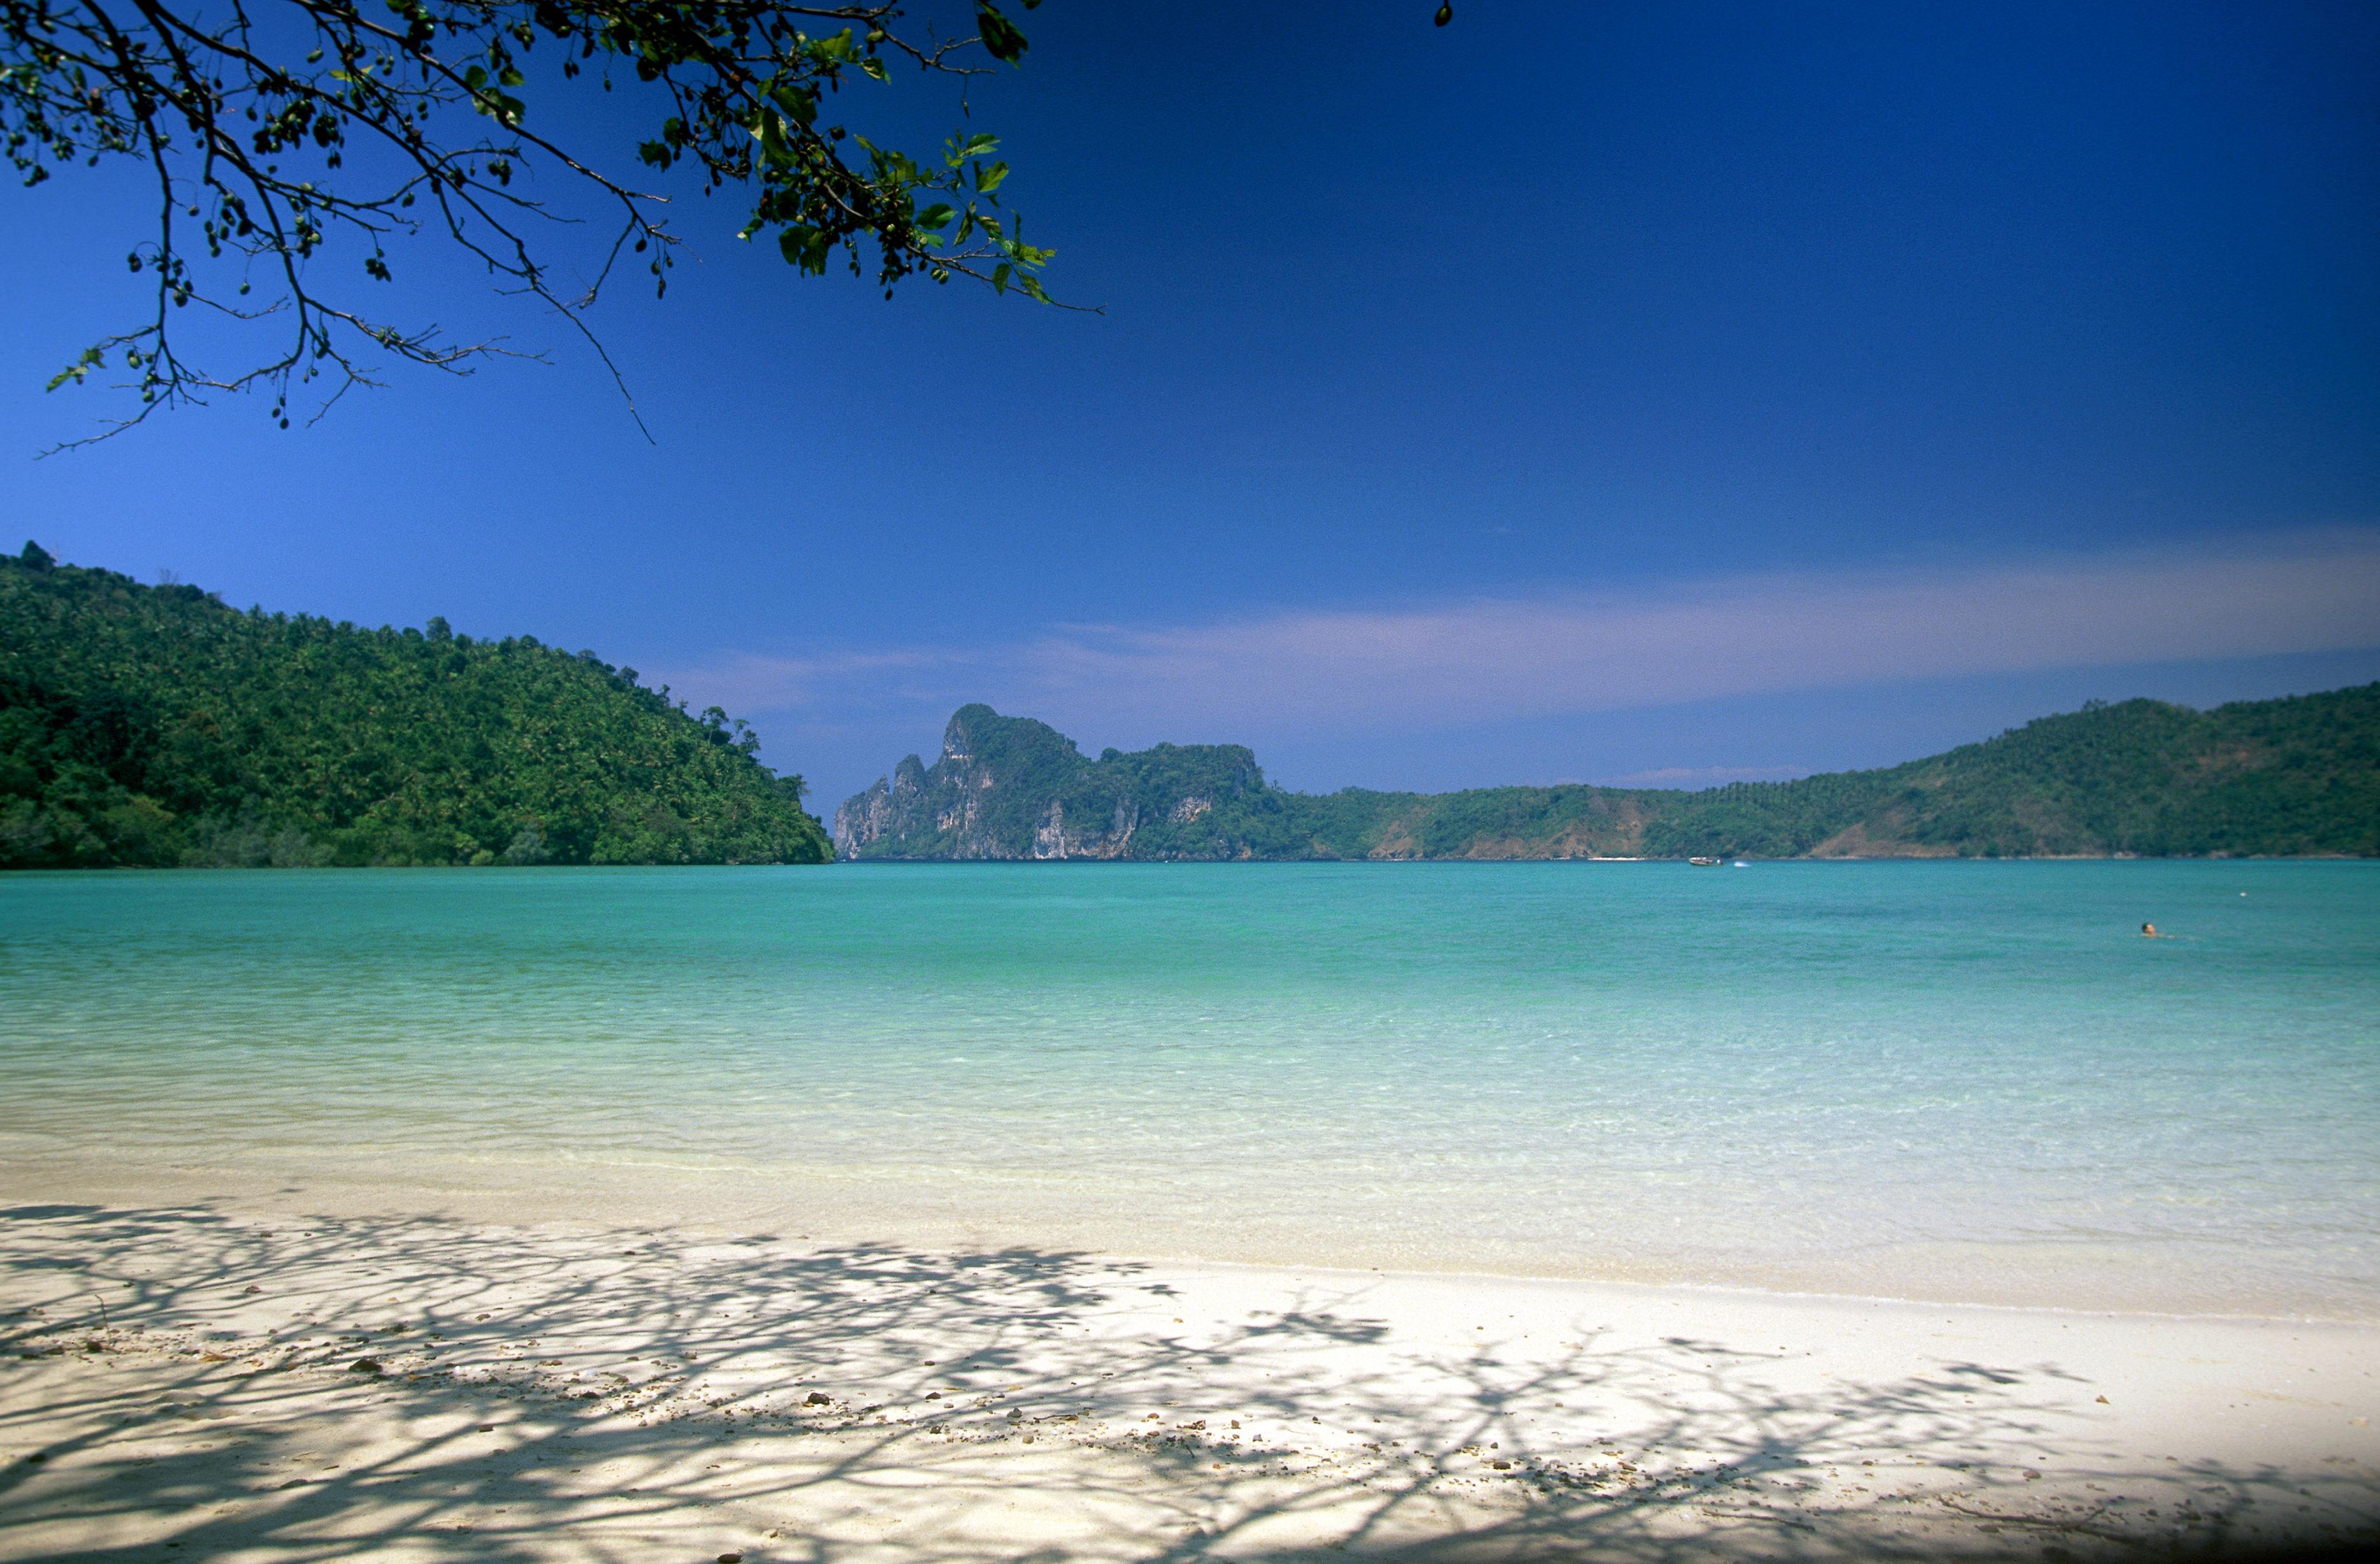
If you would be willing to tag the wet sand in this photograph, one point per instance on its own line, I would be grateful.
(184, 1382)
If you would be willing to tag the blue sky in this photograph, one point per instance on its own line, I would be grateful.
(1576, 392)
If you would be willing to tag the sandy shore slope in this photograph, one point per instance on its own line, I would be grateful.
(188, 1383)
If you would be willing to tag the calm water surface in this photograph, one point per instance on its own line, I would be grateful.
(1955, 1080)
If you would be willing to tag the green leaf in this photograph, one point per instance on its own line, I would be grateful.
(1000, 277)
(805, 246)
(76, 370)
(989, 179)
(799, 104)
(933, 216)
(1002, 40)
(773, 146)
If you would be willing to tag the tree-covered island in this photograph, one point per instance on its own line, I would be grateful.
(155, 726)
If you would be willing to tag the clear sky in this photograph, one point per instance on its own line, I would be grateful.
(1611, 392)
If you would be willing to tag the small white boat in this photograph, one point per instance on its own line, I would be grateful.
(1703, 863)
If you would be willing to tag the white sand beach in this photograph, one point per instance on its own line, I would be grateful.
(226, 1381)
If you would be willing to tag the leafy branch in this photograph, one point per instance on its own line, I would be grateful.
(249, 112)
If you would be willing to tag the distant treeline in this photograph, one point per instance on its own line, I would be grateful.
(2296, 776)
(154, 725)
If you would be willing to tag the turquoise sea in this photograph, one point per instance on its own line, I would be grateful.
(1957, 1080)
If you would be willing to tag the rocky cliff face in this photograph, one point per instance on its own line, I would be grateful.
(1012, 788)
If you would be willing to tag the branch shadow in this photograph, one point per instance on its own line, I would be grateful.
(177, 1383)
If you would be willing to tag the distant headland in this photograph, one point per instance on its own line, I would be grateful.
(2293, 777)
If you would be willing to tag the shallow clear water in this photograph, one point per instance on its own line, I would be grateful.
(1946, 1080)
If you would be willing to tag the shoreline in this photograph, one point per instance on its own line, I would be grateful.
(869, 1399)
(727, 1199)
(29, 872)
(1749, 1290)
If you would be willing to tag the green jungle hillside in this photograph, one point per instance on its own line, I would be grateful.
(2291, 777)
(154, 725)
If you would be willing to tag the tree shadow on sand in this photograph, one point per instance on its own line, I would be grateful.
(180, 1384)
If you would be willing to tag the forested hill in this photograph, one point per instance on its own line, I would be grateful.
(154, 725)
(2296, 776)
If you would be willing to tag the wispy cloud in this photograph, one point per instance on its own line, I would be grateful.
(1707, 776)
(1486, 660)
(745, 682)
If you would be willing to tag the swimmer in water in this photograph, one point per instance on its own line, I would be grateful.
(2149, 931)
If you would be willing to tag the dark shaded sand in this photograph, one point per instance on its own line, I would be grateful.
(183, 1384)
